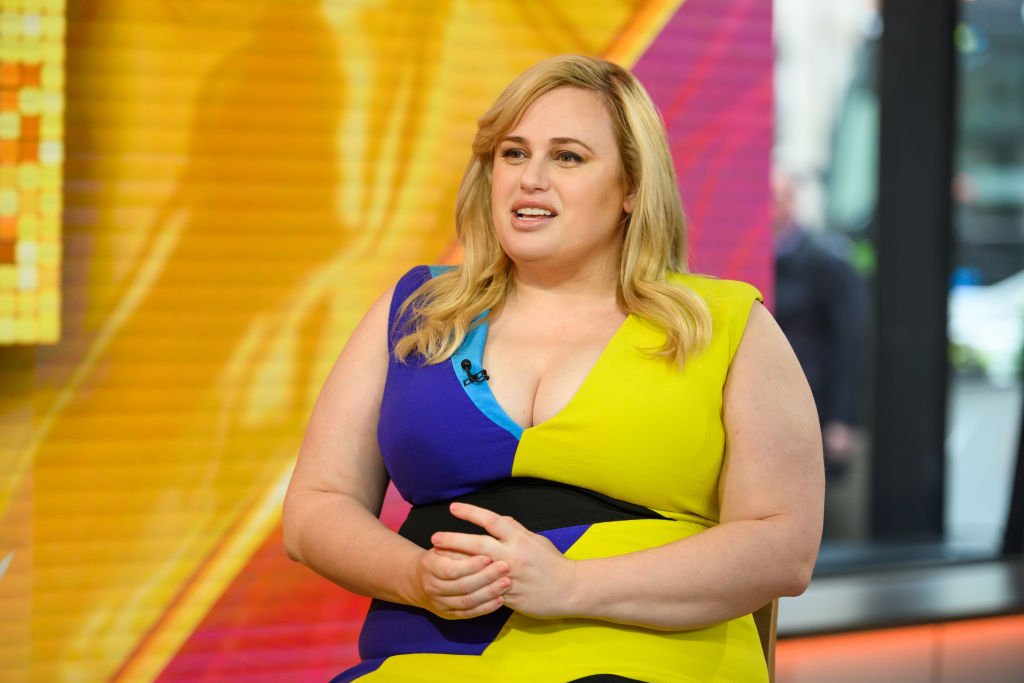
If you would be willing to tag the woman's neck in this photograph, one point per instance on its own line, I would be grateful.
(591, 286)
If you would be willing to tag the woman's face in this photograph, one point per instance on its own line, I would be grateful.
(557, 188)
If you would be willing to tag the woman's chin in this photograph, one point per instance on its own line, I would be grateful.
(528, 248)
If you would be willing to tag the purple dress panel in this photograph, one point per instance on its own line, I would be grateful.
(435, 442)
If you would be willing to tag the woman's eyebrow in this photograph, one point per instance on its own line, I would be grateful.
(566, 141)
(520, 140)
(514, 139)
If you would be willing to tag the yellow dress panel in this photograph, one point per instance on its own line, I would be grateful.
(641, 430)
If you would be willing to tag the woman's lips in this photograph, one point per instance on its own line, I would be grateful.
(528, 218)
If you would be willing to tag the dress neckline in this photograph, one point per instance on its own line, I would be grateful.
(483, 398)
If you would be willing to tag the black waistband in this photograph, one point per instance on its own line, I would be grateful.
(537, 504)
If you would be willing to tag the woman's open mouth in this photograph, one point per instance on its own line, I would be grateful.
(531, 216)
(530, 212)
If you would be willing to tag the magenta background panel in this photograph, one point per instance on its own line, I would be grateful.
(710, 73)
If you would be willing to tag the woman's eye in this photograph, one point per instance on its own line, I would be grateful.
(513, 154)
(568, 157)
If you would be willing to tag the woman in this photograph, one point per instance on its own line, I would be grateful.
(611, 462)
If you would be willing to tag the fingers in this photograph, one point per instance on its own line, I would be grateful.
(464, 586)
(496, 525)
(466, 544)
(493, 591)
(479, 610)
(472, 583)
(483, 601)
(453, 554)
(450, 565)
(466, 575)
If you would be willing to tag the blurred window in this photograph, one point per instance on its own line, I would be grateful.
(986, 298)
(826, 148)
(827, 132)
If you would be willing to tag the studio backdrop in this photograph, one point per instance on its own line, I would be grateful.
(199, 201)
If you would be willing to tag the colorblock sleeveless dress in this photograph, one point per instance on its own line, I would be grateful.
(632, 462)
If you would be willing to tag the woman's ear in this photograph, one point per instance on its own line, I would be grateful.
(629, 202)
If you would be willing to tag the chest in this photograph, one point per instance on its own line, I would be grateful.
(635, 428)
(538, 365)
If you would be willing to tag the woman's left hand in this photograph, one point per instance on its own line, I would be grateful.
(542, 578)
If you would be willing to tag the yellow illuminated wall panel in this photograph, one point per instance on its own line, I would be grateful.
(31, 157)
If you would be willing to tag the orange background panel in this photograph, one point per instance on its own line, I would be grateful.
(10, 74)
(978, 651)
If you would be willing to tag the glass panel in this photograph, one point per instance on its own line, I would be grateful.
(986, 299)
(825, 183)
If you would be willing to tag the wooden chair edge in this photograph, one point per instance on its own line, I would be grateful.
(766, 619)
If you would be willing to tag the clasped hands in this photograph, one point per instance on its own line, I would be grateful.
(469, 575)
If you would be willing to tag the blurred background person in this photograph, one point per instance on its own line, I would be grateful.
(819, 303)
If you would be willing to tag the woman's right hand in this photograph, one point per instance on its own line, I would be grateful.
(453, 585)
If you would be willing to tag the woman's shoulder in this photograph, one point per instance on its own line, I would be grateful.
(408, 285)
(415, 277)
(729, 302)
(716, 291)
(422, 273)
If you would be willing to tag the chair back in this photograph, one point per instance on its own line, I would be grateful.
(767, 619)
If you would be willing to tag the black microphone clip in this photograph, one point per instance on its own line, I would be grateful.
(472, 377)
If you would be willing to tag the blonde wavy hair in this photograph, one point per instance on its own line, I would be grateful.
(447, 307)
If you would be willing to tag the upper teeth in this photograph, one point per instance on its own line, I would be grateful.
(530, 211)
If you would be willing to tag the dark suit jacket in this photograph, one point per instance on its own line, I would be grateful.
(819, 304)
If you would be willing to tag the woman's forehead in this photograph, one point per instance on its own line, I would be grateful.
(565, 113)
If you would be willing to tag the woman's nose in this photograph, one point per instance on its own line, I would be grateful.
(535, 175)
